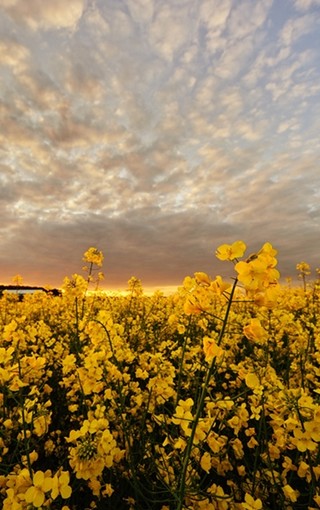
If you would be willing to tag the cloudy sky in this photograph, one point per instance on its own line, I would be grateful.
(156, 130)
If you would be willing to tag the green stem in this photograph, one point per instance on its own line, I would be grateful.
(225, 320)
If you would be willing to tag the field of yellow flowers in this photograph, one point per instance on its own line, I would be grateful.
(207, 399)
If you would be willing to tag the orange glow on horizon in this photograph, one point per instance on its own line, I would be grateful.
(167, 290)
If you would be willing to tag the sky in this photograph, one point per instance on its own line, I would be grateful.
(156, 130)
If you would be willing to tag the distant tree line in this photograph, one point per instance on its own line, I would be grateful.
(27, 289)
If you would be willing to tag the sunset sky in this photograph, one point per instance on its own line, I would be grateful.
(156, 130)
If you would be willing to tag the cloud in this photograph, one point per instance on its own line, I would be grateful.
(304, 5)
(156, 131)
(294, 29)
(45, 15)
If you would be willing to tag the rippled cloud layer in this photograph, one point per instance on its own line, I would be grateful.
(157, 131)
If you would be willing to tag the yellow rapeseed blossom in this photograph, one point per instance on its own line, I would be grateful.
(259, 271)
(93, 256)
(6, 355)
(205, 462)
(255, 332)
(211, 349)
(290, 493)
(221, 500)
(183, 415)
(252, 380)
(41, 485)
(219, 286)
(267, 249)
(202, 279)
(269, 297)
(76, 286)
(231, 251)
(250, 503)
(316, 498)
(41, 423)
(192, 306)
(303, 440)
(60, 485)
(303, 268)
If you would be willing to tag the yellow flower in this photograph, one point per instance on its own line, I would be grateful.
(303, 268)
(93, 256)
(188, 283)
(267, 249)
(251, 274)
(205, 462)
(221, 500)
(60, 485)
(237, 448)
(211, 349)
(181, 329)
(316, 499)
(290, 493)
(8, 424)
(202, 279)
(288, 465)
(183, 415)
(41, 483)
(16, 384)
(240, 419)
(251, 503)
(219, 286)
(303, 440)
(241, 470)
(6, 355)
(108, 490)
(76, 286)
(252, 443)
(95, 486)
(304, 469)
(5, 376)
(252, 381)
(85, 468)
(231, 251)
(41, 424)
(313, 429)
(192, 306)
(258, 271)
(180, 444)
(255, 332)
(268, 297)
(216, 442)
(12, 501)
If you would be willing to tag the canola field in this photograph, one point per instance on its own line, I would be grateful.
(206, 399)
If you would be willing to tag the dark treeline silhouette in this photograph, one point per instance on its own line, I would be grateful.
(27, 289)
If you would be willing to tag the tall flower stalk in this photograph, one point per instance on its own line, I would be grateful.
(256, 274)
(201, 402)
